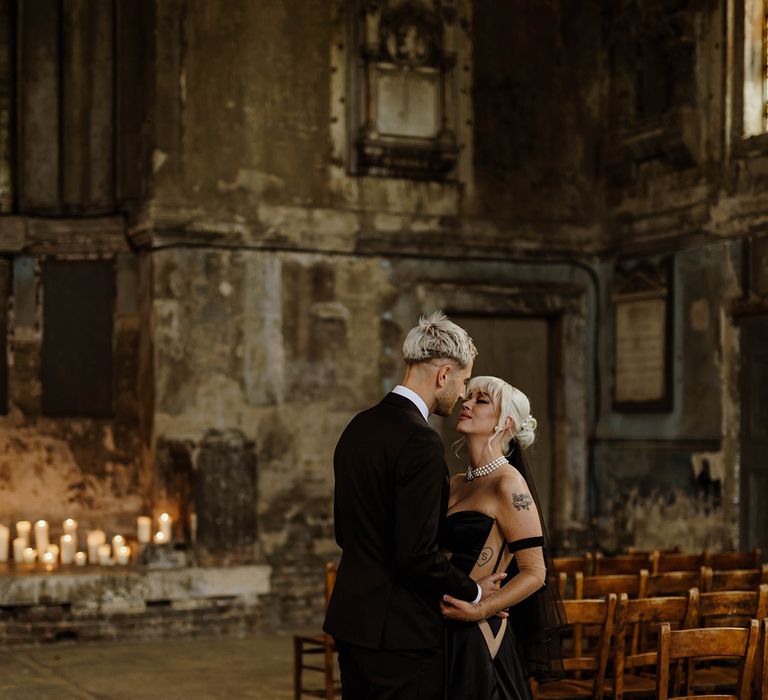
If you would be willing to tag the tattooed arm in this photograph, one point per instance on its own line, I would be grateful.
(518, 519)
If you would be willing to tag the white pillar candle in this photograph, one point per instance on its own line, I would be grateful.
(95, 538)
(70, 528)
(67, 549)
(5, 535)
(41, 536)
(22, 531)
(193, 528)
(117, 542)
(104, 550)
(19, 545)
(81, 558)
(48, 560)
(53, 549)
(166, 523)
(123, 555)
(29, 555)
(160, 538)
(143, 529)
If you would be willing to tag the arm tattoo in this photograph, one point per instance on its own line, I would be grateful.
(521, 501)
(485, 556)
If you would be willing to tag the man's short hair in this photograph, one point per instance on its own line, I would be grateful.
(435, 336)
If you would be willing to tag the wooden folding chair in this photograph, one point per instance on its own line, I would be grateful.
(727, 609)
(567, 567)
(572, 564)
(721, 561)
(738, 579)
(676, 582)
(679, 561)
(626, 563)
(628, 658)
(763, 666)
(314, 646)
(634, 585)
(583, 612)
(732, 642)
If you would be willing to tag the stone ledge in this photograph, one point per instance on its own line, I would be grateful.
(132, 588)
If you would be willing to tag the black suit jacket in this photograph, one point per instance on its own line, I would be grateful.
(390, 497)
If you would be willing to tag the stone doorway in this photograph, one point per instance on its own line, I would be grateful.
(517, 350)
(754, 432)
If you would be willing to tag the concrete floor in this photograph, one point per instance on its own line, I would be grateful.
(258, 668)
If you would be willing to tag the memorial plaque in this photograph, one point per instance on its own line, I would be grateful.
(640, 350)
(642, 322)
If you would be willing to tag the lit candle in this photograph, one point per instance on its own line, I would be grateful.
(23, 528)
(160, 538)
(41, 536)
(5, 535)
(19, 545)
(29, 555)
(117, 542)
(67, 549)
(53, 549)
(166, 522)
(123, 555)
(49, 561)
(95, 538)
(104, 551)
(81, 558)
(144, 529)
(193, 528)
(70, 528)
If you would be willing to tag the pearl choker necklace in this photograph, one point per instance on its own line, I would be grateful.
(485, 469)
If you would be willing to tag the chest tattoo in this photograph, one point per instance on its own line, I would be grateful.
(521, 501)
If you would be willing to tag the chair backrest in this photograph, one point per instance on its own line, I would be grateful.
(747, 605)
(679, 561)
(739, 579)
(680, 610)
(592, 612)
(570, 565)
(721, 561)
(330, 580)
(676, 582)
(734, 642)
(626, 563)
(634, 585)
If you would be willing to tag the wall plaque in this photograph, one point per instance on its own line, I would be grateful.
(642, 327)
(403, 99)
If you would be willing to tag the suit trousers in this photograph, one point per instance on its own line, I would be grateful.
(391, 674)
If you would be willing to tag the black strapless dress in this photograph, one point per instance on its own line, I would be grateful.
(483, 659)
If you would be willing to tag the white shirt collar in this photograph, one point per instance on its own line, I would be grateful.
(414, 397)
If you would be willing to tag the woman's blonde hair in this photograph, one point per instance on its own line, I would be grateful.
(510, 403)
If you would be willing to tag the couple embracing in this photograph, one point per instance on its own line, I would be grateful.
(444, 588)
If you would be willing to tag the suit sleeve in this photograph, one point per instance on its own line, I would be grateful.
(421, 477)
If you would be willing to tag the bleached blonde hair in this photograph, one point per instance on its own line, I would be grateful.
(435, 336)
(510, 402)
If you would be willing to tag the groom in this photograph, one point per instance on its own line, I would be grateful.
(391, 495)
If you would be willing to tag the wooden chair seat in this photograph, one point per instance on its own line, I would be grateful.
(566, 688)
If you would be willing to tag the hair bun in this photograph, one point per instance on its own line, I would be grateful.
(526, 435)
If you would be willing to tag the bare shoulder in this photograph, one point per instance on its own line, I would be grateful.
(513, 490)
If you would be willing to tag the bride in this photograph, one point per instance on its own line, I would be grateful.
(494, 525)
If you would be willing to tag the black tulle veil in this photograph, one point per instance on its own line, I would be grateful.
(539, 621)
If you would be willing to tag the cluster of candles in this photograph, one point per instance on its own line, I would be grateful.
(99, 550)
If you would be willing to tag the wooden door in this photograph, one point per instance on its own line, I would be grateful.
(517, 350)
(754, 432)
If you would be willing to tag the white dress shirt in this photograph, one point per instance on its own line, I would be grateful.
(401, 390)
